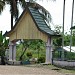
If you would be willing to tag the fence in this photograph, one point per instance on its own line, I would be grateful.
(57, 53)
(69, 58)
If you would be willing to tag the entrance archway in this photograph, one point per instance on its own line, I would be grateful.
(31, 25)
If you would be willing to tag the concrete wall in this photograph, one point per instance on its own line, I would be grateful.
(64, 63)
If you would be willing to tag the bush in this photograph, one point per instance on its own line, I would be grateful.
(41, 59)
(29, 54)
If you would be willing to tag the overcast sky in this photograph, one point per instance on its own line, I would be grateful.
(55, 9)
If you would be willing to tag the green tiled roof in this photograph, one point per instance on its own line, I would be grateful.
(41, 24)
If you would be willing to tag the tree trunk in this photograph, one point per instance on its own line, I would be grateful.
(11, 14)
(22, 54)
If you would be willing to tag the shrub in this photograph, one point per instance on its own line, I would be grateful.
(29, 54)
(41, 59)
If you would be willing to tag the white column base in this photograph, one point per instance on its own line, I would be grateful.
(49, 51)
(12, 52)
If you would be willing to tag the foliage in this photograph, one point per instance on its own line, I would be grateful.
(2, 4)
(14, 9)
(41, 59)
(58, 41)
(3, 44)
(66, 39)
(67, 55)
(14, 6)
(33, 46)
(58, 29)
(29, 54)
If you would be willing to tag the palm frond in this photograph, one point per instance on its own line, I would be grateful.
(2, 4)
(22, 3)
(45, 14)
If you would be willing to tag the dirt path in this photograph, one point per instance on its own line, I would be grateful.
(25, 70)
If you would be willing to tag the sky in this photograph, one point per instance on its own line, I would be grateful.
(55, 9)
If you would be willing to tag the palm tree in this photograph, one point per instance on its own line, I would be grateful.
(2, 4)
(14, 8)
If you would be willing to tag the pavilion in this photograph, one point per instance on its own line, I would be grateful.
(31, 25)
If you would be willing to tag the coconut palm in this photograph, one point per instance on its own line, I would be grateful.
(2, 4)
(14, 8)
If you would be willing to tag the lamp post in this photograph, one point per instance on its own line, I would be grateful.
(71, 24)
(63, 30)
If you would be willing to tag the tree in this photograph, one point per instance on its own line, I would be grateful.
(3, 47)
(66, 39)
(31, 45)
(58, 41)
(14, 8)
(25, 44)
(3, 44)
(58, 29)
(2, 4)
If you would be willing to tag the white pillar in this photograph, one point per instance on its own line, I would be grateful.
(49, 51)
(10, 51)
(14, 52)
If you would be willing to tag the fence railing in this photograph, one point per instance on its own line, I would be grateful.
(57, 53)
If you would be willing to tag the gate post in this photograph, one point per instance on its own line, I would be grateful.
(12, 51)
(49, 51)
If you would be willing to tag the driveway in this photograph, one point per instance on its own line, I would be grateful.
(27, 70)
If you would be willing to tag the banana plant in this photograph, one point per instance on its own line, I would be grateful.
(3, 44)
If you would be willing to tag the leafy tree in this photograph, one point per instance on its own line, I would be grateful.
(25, 45)
(58, 41)
(35, 45)
(38, 45)
(73, 37)
(58, 29)
(66, 39)
(29, 54)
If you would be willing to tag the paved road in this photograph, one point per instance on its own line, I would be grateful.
(24, 70)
